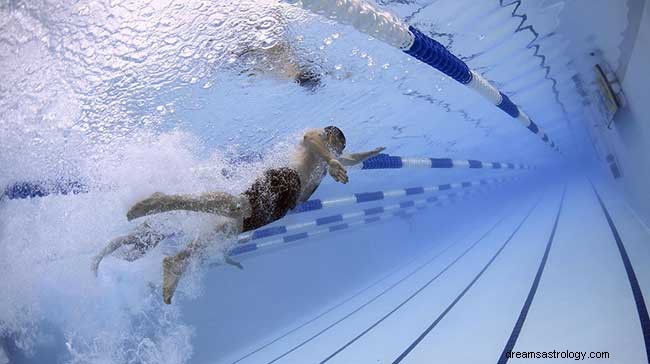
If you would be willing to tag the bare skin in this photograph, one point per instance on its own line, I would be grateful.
(316, 154)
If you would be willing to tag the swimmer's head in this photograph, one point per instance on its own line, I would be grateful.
(335, 139)
(308, 79)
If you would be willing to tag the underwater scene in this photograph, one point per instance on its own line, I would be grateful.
(324, 181)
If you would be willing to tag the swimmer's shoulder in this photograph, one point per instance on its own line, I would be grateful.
(314, 133)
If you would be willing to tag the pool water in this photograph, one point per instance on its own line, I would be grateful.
(105, 102)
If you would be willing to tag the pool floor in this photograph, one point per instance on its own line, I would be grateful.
(555, 278)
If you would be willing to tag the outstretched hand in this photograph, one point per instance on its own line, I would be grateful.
(337, 171)
(376, 151)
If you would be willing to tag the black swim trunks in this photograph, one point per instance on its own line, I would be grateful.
(272, 196)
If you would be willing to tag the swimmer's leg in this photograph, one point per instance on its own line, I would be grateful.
(141, 240)
(174, 266)
(212, 202)
(173, 269)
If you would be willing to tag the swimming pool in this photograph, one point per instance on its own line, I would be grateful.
(468, 238)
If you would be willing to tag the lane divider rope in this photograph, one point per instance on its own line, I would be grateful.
(362, 217)
(357, 198)
(386, 161)
(33, 189)
(389, 28)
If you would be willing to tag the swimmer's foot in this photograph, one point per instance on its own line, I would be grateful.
(173, 268)
(231, 261)
(112, 246)
(151, 205)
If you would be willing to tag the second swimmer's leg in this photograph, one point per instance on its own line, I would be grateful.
(212, 202)
(174, 266)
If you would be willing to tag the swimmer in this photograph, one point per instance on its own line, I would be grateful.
(276, 55)
(270, 197)
(280, 62)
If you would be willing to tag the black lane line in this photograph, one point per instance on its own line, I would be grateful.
(631, 276)
(348, 299)
(446, 311)
(416, 292)
(388, 275)
(514, 335)
(389, 288)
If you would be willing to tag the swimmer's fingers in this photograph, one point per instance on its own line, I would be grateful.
(373, 152)
(337, 171)
(337, 175)
(342, 176)
(334, 175)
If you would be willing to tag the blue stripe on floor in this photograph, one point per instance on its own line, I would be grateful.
(514, 335)
(428, 283)
(460, 296)
(390, 288)
(388, 275)
(631, 276)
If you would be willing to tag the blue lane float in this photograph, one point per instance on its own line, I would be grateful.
(288, 233)
(246, 246)
(23, 190)
(357, 198)
(35, 189)
(386, 161)
(354, 219)
(390, 29)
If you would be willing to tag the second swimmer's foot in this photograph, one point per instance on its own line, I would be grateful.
(150, 205)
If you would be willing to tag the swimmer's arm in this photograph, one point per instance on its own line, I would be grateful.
(314, 142)
(356, 158)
